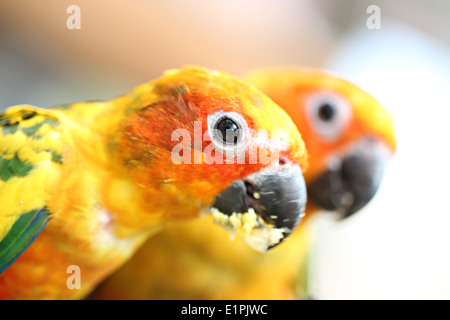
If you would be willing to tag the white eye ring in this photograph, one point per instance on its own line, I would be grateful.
(239, 140)
(328, 113)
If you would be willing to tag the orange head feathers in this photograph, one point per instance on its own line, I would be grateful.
(194, 133)
(348, 134)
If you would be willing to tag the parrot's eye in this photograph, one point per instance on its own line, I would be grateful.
(328, 113)
(227, 130)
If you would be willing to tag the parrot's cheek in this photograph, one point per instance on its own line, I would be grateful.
(265, 207)
(352, 178)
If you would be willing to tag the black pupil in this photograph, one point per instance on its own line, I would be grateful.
(326, 112)
(228, 130)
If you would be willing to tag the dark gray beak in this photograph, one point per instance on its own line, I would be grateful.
(266, 206)
(352, 178)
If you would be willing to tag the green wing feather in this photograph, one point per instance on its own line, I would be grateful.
(21, 235)
(29, 152)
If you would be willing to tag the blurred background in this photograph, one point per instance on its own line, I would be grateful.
(399, 247)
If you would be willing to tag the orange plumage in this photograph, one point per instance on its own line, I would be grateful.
(102, 178)
(197, 261)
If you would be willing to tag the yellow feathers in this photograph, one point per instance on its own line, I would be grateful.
(87, 183)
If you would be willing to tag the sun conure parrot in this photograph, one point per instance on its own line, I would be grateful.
(349, 137)
(83, 185)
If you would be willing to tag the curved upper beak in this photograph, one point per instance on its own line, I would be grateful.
(352, 178)
(266, 206)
